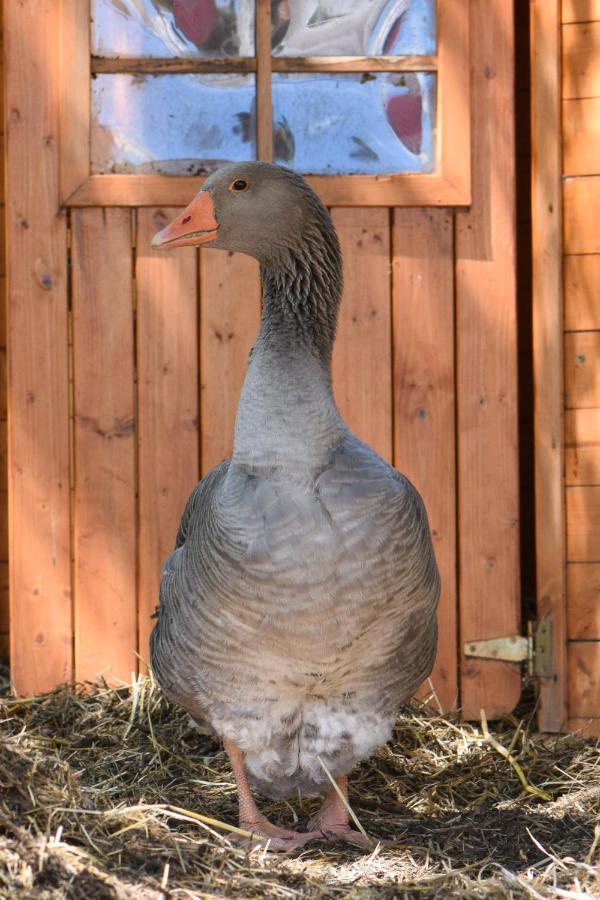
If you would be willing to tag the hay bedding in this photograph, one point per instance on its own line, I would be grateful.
(100, 789)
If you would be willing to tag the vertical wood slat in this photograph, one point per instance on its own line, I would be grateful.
(40, 576)
(104, 439)
(167, 369)
(264, 107)
(74, 96)
(229, 321)
(362, 356)
(548, 351)
(424, 400)
(488, 499)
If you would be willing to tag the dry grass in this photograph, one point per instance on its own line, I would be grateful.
(95, 787)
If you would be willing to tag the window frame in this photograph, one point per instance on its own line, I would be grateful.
(449, 185)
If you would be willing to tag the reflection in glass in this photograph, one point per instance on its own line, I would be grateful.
(353, 27)
(171, 124)
(345, 124)
(142, 28)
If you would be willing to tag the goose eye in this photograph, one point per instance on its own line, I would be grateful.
(239, 185)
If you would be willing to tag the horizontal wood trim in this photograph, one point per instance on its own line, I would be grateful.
(581, 60)
(162, 66)
(583, 661)
(580, 10)
(583, 524)
(334, 190)
(582, 372)
(581, 280)
(581, 136)
(581, 205)
(583, 601)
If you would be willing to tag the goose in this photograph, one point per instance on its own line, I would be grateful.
(298, 609)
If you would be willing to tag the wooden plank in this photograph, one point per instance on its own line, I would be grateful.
(581, 60)
(424, 400)
(547, 325)
(264, 105)
(40, 594)
(581, 198)
(580, 10)
(167, 366)
(583, 524)
(582, 446)
(582, 373)
(581, 136)
(362, 357)
(584, 678)
(157, 66)
(581, 280)
(334, 190)
(583, 601)
(585, 727)
(229, 319)
(104, 439)
(488, 495)
(454, 98)
(3, 461)
(4, 601)
(74, 94)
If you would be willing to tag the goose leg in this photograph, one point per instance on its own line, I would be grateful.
(251, 819)
(333, 819)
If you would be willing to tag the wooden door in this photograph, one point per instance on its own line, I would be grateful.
(126, 365)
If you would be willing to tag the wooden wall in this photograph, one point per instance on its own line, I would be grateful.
(126, 365)
(3, 396)
(581, 199)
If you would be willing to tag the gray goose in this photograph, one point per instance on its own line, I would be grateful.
(298, 610)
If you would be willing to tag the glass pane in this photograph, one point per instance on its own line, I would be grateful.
(353, 27)
(140, 28)
(355, 123)
(171, 124)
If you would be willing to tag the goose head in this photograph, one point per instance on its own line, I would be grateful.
(263, 210)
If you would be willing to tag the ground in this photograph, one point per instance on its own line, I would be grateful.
(100, 787)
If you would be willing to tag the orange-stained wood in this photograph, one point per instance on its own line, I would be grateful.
(582, 446)
(40, 571)
(104, 439)
(580, 10)
(581, 60)
(424, 401)
(581, 136)
(583, 601)
(581, 211)
(584, 678)
(582, 372)
(229, 320)
(167, 370)
(581, 279)
(583, 524)
(585, 726)
(488, 489)
(362, 357)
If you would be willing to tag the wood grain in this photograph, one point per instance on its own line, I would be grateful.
(74, 95)
(582, 280)
(156, 66)
(362, 357)
(583, 601)
(488, 494)
(581, 136)
(264, 105)
(229, 320)
(581, 60)
(580, 10)
(424, 400)
(581, 197)
(547, 327)
(40, 594)
(584, 678)
(583, 524)
(586, 727)
(582, 372)
(582, 446)
(334, 190)
(167, 367)
(105, 520)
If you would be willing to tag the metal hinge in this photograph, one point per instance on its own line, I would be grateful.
(535, 649)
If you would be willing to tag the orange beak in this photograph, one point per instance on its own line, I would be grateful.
(196, 225)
